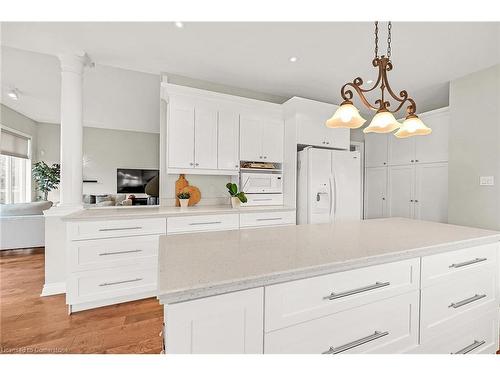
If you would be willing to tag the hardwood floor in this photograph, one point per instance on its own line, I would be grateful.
(32, 324)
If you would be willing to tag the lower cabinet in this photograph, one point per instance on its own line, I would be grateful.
(227, 323)
(386, 326)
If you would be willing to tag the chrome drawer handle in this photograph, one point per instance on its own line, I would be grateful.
(207, 223)
(458, 265)
(356, 291)
(339, 349)
(466, 301)
(120, 252)
(476, 344)
(112, 229)
(121, 282)
(270, 218)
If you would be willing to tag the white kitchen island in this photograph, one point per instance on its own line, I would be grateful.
(374, 286)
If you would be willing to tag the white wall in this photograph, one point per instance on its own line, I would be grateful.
(474, 149)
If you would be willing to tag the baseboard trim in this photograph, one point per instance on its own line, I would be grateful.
(72, 308)
(53, 289)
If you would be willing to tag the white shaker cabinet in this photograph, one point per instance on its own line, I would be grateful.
(205, 137)
(181, 135)
(401, 182)
(401, 151)
(375, 192)
(227, 323)
(431, 192)
(228, 141)
(376, 148)
(261, 139)
(434, 148)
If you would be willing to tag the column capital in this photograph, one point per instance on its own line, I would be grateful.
(74, 62)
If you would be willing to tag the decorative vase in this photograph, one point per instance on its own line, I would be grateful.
(184, 202)
(235, 202)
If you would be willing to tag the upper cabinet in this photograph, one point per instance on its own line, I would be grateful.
(376, 148)
(386, 149)
(203, 133)
(228, 140)
(261, 139)
(310, 117)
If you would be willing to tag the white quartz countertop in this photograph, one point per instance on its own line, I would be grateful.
(204, 264)
(161, 211)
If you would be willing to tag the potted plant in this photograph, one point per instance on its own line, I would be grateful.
(184, 199)
(46, 177)
(236, 197)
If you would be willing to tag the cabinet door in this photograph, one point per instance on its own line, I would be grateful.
(431, 192)
(338, 138)
(205, 137)
(376, 148)
(375, 192)
(311, 130)
(225, 324)
(181, 135)
(434, 147)
(228, 140)
(401, 184)
(272, 140)
(250, 139)
(401, 151)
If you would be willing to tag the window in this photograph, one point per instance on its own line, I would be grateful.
(15, 167)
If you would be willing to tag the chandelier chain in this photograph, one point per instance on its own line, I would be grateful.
(389, 39)
(376, 39)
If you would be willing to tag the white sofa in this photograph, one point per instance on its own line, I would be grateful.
(22, 225)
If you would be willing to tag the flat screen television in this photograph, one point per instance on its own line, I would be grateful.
(133, 181)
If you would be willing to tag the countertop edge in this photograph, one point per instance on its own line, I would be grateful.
(73, 217)
(297, 274)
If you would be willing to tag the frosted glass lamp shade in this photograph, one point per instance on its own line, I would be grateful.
(346, 116)
(383, 122)
(412, 125)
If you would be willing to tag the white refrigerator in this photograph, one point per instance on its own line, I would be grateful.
(328, 186)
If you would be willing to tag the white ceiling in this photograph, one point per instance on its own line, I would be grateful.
(253, 56)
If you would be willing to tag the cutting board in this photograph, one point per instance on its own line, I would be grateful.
(180, 184)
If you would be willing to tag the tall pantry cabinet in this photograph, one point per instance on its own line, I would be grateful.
(409, 177)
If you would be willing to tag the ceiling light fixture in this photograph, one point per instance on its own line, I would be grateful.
(293, 59)
(13, 94)
(179, 25)
(347, 115)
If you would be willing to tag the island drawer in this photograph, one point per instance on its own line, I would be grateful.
(461, 263)
(459, 298)
(465, 336)
(202, 223)
(92, 286)
(386, 326)
(112, 252)
(303, 300)
(260, 219)
(115, 228)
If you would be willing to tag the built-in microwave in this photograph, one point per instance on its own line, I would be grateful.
(261, 183)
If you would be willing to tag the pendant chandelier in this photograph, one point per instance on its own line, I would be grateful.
(347, 115)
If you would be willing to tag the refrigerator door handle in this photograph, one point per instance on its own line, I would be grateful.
(334, 194)
(331, 194)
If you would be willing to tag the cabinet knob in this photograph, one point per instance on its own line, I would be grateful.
(385, 163)
(191, 164)
(196, 164)
(411, 200)
(416, 161)
(265, 157)
(412, 161)
(260, 157)
(383, 198)
(323, 142)
(236, 166)
(416, 200)
(327, 143)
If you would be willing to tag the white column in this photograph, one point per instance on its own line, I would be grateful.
(71, 186)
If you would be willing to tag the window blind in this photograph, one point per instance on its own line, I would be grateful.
(13, 144)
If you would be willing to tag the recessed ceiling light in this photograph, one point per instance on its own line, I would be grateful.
(369, 81)
(293, 59)
(179, 25)
(13, 94)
